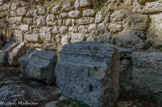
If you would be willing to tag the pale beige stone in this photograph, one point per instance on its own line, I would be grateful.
(92, 27)
(64, 15)
(18, 20)
(115, 27)
(41, 11)
(41, 21)
(99, 17)
(88, 12)
(67, 22)
(74, 14)
(65, 40)
(83, 29)
(67, 6)
(63, 29)
(31, 37)
(56, 9)
(77, 37)
(18, 36)
(50, 19)
(73, 29)
(55, 30)
(21, 11)
(118, 15)
(24, 27)
(86, 20)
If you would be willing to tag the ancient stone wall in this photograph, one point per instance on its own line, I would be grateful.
(127, 23)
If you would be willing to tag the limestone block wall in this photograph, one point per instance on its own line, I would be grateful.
(127, 23)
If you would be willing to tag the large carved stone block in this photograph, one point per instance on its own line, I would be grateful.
(89, 72)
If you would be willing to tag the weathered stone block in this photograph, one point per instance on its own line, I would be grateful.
(21, 11)
(24, 27)
(153, 35)
(67, 6)
(16, 53)
(39, 64)
(56, 9)
(147, 72)
(88, 12)
(14, 6)
(130, 39)
(86, 20)
(83, 29)
(41, 21)
(89, 72)
(99, 17)
(41, 11)
(5, 50)
(115, 27)
(50, 19)
(18, 20)
(28, 21)
(82, 3)
(118, 15)
(149, 8)
(77, 37)
(31, 37)
(18, 36)
(74, 14)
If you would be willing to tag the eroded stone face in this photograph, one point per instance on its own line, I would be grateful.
(31, 37)
(87, 70)
(130, 39)
(21, 11)
(149, 7)
(16, 53)
(146, 72)
(39, 64)
(154, 32)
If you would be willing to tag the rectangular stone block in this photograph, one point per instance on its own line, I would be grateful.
(16, 53)
(39, 64)
(147, 73)
(5, 50)
(89, 72)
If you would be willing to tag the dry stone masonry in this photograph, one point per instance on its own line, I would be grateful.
(89, 72)
(52, 27)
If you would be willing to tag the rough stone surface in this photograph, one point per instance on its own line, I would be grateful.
(147, 72)
(155, 30)
(13, 93)
(74, 14)
(77, 37)
(31, 37)
(18, 36)
(16, 53)
(88, 12)
(130, 39)
(149, 7)
(86, 20)
(24, 27)
(99, 17)
(5, 50)
(83, 3)
(89, 72)
(39, 64)
(21, 11)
